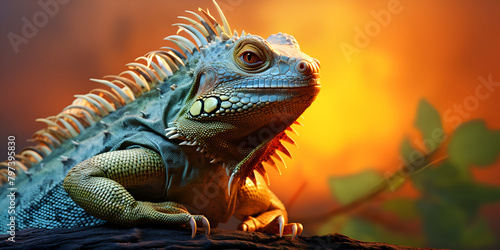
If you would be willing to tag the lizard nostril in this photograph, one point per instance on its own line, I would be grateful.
(304, 67)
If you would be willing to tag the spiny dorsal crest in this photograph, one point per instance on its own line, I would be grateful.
(122, 89)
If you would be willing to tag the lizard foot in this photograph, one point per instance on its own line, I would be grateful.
(276, 226)
(174, 213)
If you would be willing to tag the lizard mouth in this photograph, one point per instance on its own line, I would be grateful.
(282, 89)
(270, 83)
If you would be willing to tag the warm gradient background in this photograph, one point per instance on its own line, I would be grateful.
(431, 49)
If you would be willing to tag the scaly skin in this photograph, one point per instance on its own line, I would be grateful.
(103, 186)
(182, 142)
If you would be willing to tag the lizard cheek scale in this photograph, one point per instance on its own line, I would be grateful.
(214, 108)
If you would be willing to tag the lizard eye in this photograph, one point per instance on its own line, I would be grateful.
(251, 58)
(252, 55)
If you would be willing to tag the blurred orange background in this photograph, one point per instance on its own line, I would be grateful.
(427, 49)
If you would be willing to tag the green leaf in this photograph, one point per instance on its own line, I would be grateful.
(413, 159)
(444, 175)
(428, 122)
(474, 144)
(449, 206)
(447, 226)
(469, 196)
(407, 151)
(349, 188)
(443, 223)
(405, 208)
(453, 184)
(478, 235)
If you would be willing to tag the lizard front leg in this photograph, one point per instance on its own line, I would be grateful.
(260, 210)
(103, 187)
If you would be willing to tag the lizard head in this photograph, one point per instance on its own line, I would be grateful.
(247, 91)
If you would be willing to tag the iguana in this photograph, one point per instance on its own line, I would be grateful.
(177, 140)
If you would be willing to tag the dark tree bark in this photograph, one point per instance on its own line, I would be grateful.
(112, 237)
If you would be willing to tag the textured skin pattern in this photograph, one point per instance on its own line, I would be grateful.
(99, 185)
(53, 208)
(103, 187)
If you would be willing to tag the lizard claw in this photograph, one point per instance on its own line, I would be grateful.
(192, 222)
(276, 226)
(281, 221)
(206, 225)
(300, 228)
(294, 231)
